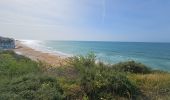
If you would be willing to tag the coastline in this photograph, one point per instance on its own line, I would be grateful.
(154, 56)
(137, 80)
(53, 60)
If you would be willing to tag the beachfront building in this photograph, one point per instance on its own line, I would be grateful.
(7, 43)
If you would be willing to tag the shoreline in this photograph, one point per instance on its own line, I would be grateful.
(47, 53)
(55, 60)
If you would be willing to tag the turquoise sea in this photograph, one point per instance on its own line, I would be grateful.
(155, 55)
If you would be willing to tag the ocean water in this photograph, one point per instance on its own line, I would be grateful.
(154, 55)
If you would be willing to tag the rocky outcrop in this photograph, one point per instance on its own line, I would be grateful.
(7, 43)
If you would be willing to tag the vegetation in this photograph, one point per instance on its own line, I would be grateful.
(131, 67)
(98, 81)
(82, 78)
(21, 78)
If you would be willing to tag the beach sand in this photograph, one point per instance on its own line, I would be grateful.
(48, 58)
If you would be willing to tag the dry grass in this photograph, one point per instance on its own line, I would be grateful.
(154, 86)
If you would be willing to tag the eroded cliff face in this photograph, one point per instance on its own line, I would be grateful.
(7, 43)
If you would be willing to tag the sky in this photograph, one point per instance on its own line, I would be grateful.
(86, 20)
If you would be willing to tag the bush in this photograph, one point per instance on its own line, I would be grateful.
(132, 67)
(12, 64)
(22, 78)
(107, 86)
(30, 87)
(99, 81)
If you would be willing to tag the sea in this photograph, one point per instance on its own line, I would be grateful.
(154, 55)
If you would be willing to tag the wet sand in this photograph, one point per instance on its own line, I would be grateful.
(48, 58)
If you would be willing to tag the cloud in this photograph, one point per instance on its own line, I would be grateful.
(61, 18)
(83, 19)
(55, 10)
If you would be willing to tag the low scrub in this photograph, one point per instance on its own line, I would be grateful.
(132, 67)
(12, 64)
(23, 79)
(40, 87)
(100, 82)
(155, 86)
(82, 78)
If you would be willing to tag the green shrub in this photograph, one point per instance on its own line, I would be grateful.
(107, 86)
(12, 65)
(83, 61)
(22, 78)
(100, 81)
(40, 87)
(132, 67)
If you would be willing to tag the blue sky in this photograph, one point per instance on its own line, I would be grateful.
(96, 20)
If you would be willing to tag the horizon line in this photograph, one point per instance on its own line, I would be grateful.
(98, 41)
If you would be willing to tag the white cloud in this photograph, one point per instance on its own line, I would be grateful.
(47, 19)
(43, 9)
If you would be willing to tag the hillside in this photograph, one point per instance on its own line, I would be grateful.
(81, 78)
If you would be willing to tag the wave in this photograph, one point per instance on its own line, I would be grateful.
(110, 53)
(41, 46)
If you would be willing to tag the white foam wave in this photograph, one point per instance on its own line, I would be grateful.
(40, 46)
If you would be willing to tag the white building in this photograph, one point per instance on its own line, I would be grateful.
(7, 43)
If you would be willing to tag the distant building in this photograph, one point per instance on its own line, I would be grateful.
(7, 43)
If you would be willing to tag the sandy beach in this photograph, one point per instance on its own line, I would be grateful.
(51, 59)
